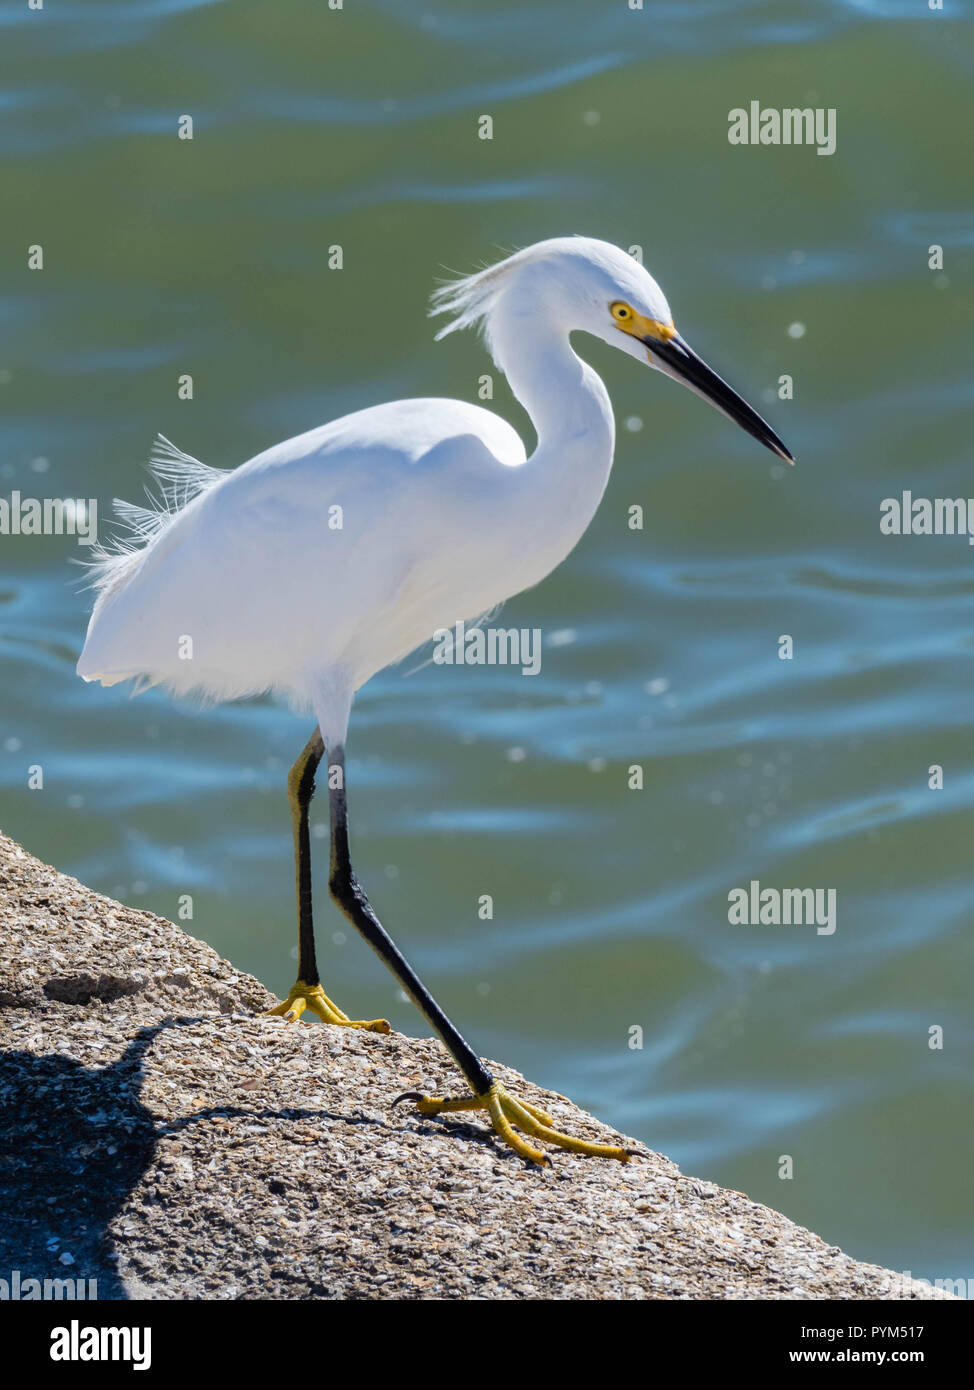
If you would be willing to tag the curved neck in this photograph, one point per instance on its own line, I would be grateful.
(560, 486)
(566, 400)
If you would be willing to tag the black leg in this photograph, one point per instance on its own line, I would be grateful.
(351, 898)
(300, 790)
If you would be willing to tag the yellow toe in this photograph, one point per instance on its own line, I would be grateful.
(304, 996)
(508, 1115)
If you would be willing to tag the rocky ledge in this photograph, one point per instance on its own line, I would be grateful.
(161, 1137)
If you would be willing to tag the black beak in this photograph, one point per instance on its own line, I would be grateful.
(681, 362)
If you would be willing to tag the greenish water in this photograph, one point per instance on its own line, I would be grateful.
(315, 128)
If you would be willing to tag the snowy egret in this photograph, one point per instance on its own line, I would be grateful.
(330, 556)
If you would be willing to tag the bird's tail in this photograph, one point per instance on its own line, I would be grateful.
(180, 478)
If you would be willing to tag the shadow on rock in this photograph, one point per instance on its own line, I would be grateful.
(74, 1141)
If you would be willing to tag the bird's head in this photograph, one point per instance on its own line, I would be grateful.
(624, 306)
(589, 285)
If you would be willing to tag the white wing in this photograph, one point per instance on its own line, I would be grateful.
(345, 546)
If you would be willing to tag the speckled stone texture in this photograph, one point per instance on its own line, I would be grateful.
(158, 1135)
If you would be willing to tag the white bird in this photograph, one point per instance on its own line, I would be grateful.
(331, 555)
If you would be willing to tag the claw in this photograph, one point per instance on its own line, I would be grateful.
(406, 1095)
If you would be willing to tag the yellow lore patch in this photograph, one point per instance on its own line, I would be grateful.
(637, 325)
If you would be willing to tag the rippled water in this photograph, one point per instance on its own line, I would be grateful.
(209, 257)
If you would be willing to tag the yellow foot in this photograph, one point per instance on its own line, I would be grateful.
(506, 1112)
(313, 997)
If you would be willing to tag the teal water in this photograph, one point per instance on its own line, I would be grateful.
(359, 128)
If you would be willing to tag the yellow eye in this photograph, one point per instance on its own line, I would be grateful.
(620, 312)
